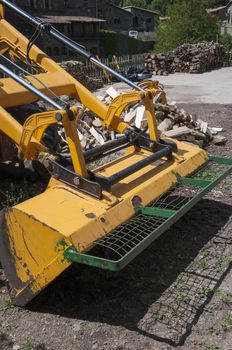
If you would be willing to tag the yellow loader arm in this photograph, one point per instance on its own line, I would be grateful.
(84, 215)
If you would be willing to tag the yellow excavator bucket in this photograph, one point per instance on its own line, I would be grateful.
(36, 233)
(104, 217)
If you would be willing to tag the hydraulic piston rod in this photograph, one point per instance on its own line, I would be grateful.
(30, 87)
(49, 29)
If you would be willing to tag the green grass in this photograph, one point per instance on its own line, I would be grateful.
(222, 263)
(14, 195)
(208, 174)
(224, 327)
(159, 315)
(7, 302)
(5, 340)
(228, 320)
(208, 308)
(225, 297)
(203, 264)
(204, 292)
(183, 298)
(182, 287)
(175, 311)
(215, 330)
(27, 345)
(208, 346)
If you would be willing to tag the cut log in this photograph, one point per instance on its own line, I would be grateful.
(183, 130)
(219, 140)
(7, 149)
(165, 125)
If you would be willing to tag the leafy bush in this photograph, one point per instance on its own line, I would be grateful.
(226, 41)
(189, 23)
(111, 42)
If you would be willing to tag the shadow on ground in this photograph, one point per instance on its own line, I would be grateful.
(163, 292)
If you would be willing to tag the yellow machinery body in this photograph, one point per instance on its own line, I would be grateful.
(36, 233)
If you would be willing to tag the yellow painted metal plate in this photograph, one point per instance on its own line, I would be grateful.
(82, 218)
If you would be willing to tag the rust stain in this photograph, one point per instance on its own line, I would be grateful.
(90, 215)
(25, 243)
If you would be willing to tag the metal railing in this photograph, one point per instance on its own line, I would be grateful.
(117, 63)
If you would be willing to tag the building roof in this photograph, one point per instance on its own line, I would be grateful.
(164, 18)
(216, 9)
(118, 7)
(141, 9)
(70, 19)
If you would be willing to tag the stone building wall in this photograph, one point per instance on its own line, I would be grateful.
(143, 20)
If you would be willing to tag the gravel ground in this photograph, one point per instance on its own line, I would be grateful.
(176, 295)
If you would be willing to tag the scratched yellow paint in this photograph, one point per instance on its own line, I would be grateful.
(36, 228)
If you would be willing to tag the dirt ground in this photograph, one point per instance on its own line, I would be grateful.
(176, 295)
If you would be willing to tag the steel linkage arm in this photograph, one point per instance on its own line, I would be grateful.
(49, 29)
(108, 115)
(39, 122)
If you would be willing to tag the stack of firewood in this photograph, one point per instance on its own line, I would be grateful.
(187, 58)
(75, 68)
(7, 150)
(173, 122)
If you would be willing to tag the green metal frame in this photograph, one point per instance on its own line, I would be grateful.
(129, 240)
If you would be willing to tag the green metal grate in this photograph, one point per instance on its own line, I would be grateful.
(128, 235)
(211, 170)
(176, 197)
(123, 244)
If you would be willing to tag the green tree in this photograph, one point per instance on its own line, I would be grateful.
(226, 40)
(215, 3)
(139, 3)
(116, 2)
(159, 5)
(189, 23)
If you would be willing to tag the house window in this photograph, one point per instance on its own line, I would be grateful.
(72, 27)
(148, 24)
(47, 4)
(116, 20)
(135, 21)
(33, 4)
(83, 29)
(93, 51)
(56, 51)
